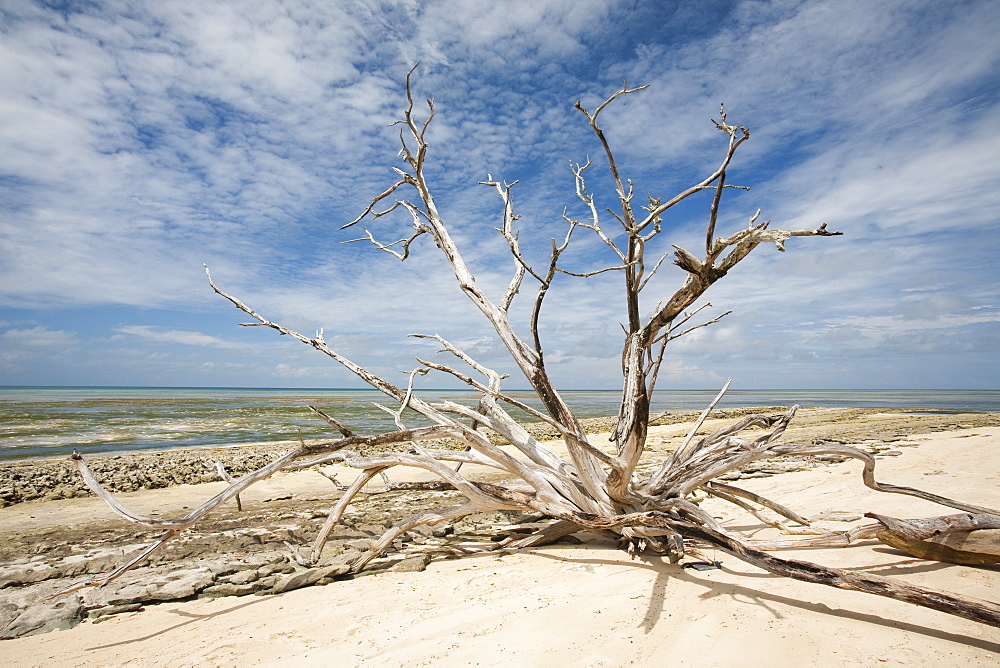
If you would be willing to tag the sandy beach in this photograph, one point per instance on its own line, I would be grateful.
(583, 603)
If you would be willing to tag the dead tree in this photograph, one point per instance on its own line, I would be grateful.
(593, 489)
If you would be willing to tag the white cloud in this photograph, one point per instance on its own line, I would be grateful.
(138, 140)
(39, 338)
(172, 336)
(24, 349)
(285, 371)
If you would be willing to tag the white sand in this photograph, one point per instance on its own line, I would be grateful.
(590, 605)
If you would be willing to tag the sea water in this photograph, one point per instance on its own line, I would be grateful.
(44, 422)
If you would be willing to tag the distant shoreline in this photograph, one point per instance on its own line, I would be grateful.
(45, 423)
(463, 389)
(57, 478)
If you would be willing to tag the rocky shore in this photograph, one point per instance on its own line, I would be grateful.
(228, 556)
(59, 479)
(52, 479)
(234, 553)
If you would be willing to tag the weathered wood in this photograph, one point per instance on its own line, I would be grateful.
(961, 547)
(590, 489)
(968, 538)
(985, 542)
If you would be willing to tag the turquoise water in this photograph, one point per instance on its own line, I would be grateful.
(48, 422)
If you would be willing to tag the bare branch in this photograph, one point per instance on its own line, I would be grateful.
(588, 200)
(670, 335)
(623, 196)
(332, 422)
(370, 209)
(221, 470)
(507, 230)
(653, 271)
(388, 247)
(589, 273)
(588, 489)
(722, 491)
(682, 453)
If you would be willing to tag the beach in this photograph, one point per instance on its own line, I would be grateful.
(582, 602)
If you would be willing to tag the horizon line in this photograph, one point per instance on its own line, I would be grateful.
(452, 389)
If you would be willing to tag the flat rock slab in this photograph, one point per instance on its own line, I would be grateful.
(45, 616)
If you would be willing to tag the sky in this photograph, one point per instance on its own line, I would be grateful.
(141, 140)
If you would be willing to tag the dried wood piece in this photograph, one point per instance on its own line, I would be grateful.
(971, 548)
(221, 470)
(971, 539)
(985, 542)
(590, 489)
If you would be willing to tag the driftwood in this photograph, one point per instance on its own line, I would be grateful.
(959, 539)
(592, 489)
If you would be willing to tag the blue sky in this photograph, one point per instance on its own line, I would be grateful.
(139, 140)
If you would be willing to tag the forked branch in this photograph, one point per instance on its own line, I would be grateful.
(589, 489)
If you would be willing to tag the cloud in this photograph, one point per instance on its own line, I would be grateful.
(26, 348)
(160, 138)
(39, 337)
(285, 371)
(159, 335)
(138, 140)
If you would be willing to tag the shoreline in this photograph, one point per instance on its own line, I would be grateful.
(541, 606)
(58, 478)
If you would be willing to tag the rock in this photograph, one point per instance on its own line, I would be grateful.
(423, 530)
(221, 568)
(347, 556)
(440, 531)
(270, 569)
(8, 612)
(263, 586)
(418, 538)
(413, 564)
(358, 544)
(63, 613)
(97, 613)
(373, 529)
(156, 587)
(72, 567)
(129, 594)
(308, 577)
(182, 584)
(22, 575)
(242, 577)
(229, 589)
(102, 564)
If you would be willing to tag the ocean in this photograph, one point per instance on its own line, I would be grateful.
(50, 422)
